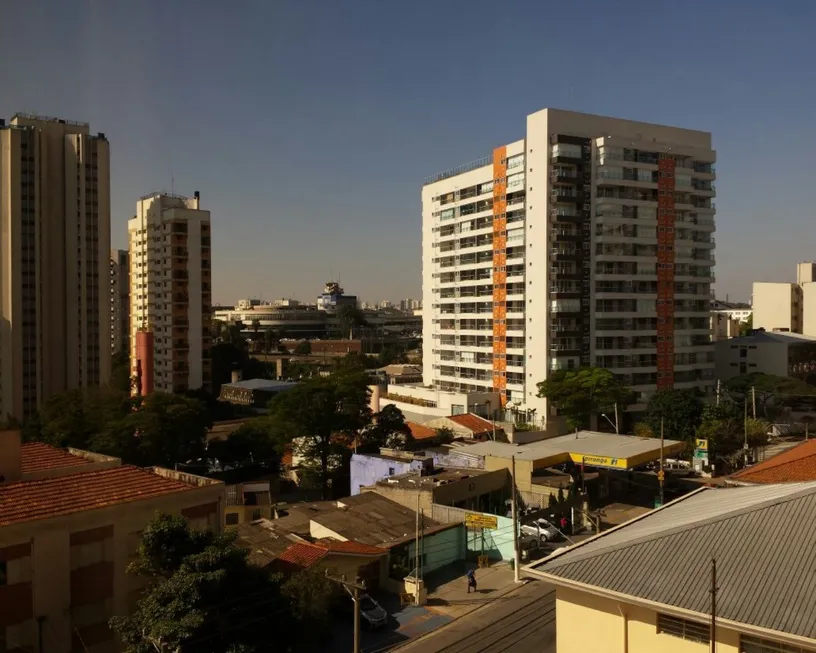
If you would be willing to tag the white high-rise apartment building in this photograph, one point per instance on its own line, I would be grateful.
(54, 248)
(171, 293)
(587, 243)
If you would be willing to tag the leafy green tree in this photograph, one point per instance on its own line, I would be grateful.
(354, 361)
(235, 335)
(303, 348)
(445, 435)
(168, 429)
(121, 378)
(319, 409)
(349, 318)
(643, 430)
(200, 593)
(679, 410)
(747, 326)
(389, 430)
(391, 355)
(580, 394)
(254, 442)
(310, 595)
(75, 418)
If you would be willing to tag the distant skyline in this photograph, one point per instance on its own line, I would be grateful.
(308, 127)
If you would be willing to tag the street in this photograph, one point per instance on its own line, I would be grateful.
(521, 621)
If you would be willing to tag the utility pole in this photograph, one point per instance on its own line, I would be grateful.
(718, 392)
(416, 556)
(745, 429)
(713, 634)
(354, 590)
(662, 474)
(514, 514)
(753, 398)
(617, 424)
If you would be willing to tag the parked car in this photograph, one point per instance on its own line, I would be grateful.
(372, 614)
(545, 531)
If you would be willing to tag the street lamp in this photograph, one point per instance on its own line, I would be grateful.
(614, 424)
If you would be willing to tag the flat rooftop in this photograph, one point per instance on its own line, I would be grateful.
(262, 385)
(588, 447)
(26, 501)
(432, 480)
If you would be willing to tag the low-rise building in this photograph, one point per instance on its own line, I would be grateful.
(253, 392)
(469, 427)
(646, 585)
(723, 326)
(583, 449)
(247, 502)
(795, 465)
(70, 523)
(781, 354)
(473, 489)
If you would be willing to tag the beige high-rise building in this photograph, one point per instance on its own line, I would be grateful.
(120, 299)
(170, 297)
(54, 250)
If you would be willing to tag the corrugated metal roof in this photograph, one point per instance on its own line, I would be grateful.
(762, 538)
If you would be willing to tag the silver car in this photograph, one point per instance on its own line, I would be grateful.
(545, 531)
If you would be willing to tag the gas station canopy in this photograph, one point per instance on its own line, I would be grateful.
(590, 448)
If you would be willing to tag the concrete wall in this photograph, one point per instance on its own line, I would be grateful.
(496, 543)
(764, 357)
(809, 308)
(367, 470)
(777, 306)
(617, 627)
(441, 548)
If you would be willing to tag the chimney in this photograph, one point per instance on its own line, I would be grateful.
(11, 457)
(197, 198)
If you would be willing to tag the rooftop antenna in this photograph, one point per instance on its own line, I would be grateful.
(172, 184)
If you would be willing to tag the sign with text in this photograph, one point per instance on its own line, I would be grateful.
(599, 461)
(702, 445)
(477, 520)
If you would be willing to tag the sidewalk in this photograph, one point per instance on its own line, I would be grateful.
(448, 595)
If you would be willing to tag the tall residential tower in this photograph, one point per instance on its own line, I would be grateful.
(120, 300)
(587, 243)
(54, 251)
(170, 293)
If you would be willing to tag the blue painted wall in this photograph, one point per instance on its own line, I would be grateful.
(367, 469)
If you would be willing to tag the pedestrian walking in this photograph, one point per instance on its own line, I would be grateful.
(471, 580)
(563, 525)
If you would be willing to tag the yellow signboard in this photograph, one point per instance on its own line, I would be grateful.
(476, 520)
(702, 445)
(599, 461)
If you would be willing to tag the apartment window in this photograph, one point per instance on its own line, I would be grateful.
(231, 519)
(756, 645)
(689, 630)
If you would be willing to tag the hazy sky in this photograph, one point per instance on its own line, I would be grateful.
(309, 125)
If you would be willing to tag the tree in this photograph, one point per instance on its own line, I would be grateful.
(354, 361)
(167, 429)
(643, 430)
(722, 425)
(391, 355)
(235, 335)
(445, 435)
(349, 318)
(319, 409)
(200, 593)
(270, 340)
(580, 394)
(254, 442)
(747, 326)
(121, 378)
(256, 326)
(303, 348)
(76, 417)
(679, 410)
(310, 595)
(389, 430)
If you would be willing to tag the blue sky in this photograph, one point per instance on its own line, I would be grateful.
(309, 125)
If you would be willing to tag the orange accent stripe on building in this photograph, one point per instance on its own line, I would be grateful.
(665, 271)
(500, 272)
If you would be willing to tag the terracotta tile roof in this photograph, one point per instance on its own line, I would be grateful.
(38, 456)
(472, 422)
(302, 555)
(335, 546)
(420, 432)
(31, 500)
(791, 466)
